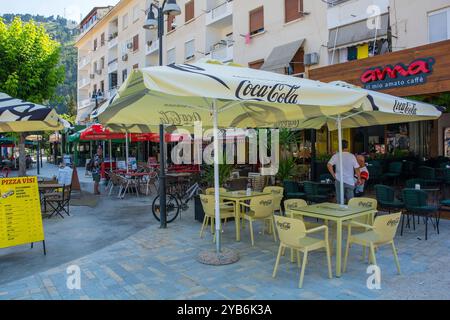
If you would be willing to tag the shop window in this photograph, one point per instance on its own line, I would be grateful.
(256, 21)
(293, 10)
(256, 64)
(189, 11)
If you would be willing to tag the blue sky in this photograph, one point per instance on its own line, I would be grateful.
(73, 8)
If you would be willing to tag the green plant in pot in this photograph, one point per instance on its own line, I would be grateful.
(224, 173)
(286, 169)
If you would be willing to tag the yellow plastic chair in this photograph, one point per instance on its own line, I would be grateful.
(381, 233)
(224, 205)
(260, 208)
(277, 193)
(364, 203)
(208, 203)
(293, 234)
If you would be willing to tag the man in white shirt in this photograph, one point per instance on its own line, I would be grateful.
(350, 168)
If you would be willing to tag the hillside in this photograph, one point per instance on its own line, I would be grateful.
(64, 32)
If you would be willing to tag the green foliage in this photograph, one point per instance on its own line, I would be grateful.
(442, 100)
(59, 29)
(286, 169)
(323, 157)
(224, 173)
(28, 61)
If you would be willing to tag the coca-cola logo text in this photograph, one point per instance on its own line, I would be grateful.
(175, 118)
(405, 107)
(280, 93)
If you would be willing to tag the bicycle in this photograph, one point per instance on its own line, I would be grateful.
(176, 200)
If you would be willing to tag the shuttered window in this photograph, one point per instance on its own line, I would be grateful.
(171, 56)
(189, 11)
(189, 49)
(257, 21)
(170, 20)
(136, 42)
(292, 10)
(256, 64)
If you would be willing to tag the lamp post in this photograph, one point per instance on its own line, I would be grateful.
(170, 8)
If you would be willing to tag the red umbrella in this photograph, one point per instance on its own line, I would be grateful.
(98, 132)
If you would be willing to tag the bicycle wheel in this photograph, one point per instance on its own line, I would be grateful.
(172, 208)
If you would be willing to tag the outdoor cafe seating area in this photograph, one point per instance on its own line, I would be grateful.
(303, 216)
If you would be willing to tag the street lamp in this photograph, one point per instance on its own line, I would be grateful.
(170, 8)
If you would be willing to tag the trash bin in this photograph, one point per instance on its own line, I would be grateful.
(199, 213)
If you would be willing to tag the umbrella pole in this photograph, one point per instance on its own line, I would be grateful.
(110, 155)
(341, 173)
(126, 149)
(216, 179)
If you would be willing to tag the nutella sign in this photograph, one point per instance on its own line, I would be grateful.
(399, 75)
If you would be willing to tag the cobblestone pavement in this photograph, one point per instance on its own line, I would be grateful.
(153, 263)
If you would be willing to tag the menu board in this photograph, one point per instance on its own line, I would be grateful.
(20, 212)
(65, 176)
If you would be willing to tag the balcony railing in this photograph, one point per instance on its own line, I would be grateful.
(84, 103)
(113, 42)
(220, 12)
(222, 53)
(83, 82)
(83, 62)
(154, 47)
(113, 65)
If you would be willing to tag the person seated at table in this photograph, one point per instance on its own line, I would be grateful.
(98, 159)
(364, 175)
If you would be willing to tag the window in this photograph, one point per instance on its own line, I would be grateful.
(293, 9)
(170, 20)
(171, 56)
(102, 39)
(102, 86)
(136, 42)
(113, 80)
(95, 45)
(189, 11)
(256, 64)
(136, 12)
(136, 66)
(125, 21)
(102, 63)
(124, 75)
(189, 50)
(256, 21)
(95, 66)
(439, 25)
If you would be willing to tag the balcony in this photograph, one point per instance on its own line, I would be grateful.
(223, 53)
(113, 42)
(84, 103)
(221, 15)
(83, 83)
(153, 48)
(84, 62)
(113, 65)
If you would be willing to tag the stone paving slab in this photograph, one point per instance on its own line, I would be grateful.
(161, 264)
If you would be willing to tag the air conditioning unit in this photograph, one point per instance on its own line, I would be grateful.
(99, 72)
(92, 76)
(311, 59)
(149, 43)
(130, 45)
(125, 57)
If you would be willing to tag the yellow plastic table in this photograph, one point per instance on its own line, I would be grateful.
(337, 213)
(237, 197)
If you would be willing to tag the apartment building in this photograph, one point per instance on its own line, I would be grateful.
(399, 47)
(115, 41)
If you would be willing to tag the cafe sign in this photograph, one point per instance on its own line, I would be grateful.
(399, 75)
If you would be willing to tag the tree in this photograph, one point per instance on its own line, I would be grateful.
(29, 67)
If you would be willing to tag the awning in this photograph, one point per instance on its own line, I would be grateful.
(281, 56)
(357, 32)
